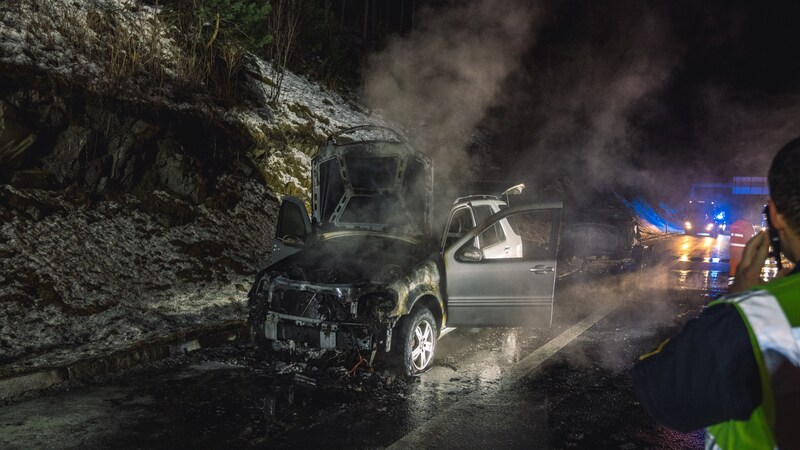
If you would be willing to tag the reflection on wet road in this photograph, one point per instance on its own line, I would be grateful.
(699, 263)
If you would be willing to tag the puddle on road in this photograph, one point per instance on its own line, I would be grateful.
(700, 265)
(715, 282)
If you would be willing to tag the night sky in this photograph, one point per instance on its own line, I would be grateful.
(639, 96)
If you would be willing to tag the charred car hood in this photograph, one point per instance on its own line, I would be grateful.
(353, 257)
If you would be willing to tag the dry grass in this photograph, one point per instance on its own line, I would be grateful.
(102, 42)
(127, 46)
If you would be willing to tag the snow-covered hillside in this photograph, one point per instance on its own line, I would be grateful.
(129, 206)
(70, 41)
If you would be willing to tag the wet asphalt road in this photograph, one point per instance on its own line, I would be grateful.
(700, 263)
(562, 387)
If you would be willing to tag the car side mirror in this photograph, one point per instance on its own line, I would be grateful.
(293, 241)
(470, 253)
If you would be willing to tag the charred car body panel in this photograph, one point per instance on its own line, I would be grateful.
(366, 274)
(351, 286)
(516, 289)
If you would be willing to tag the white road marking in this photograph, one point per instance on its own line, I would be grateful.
(416, 438)
(445, 331)
(535, 359)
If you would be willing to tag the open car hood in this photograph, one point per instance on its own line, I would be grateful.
(372, 181)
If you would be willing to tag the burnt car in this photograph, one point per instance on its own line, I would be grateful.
(364, 272)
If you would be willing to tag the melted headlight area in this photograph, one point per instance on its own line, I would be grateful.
(323, 315)
(328, 303)
(375, 307)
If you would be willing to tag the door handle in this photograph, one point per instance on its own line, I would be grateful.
(541, 269)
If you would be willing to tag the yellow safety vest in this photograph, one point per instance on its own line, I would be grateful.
(772, 316)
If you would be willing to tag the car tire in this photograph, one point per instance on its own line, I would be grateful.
(414, 343)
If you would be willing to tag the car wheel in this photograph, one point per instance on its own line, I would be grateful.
(416, 341)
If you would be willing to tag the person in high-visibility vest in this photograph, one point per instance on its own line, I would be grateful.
(735, 369)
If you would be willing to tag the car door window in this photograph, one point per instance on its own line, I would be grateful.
(482, 212)
(492, 240)
(494, 245)
(538, 232)
(492, 236)
(533, 236)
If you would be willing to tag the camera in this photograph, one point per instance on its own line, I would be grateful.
(774, 240)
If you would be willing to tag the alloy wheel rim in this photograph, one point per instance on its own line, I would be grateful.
(422, 347)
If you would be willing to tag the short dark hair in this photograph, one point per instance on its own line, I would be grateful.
(784, 183)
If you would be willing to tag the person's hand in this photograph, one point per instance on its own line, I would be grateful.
(787, 270)
(748, 273)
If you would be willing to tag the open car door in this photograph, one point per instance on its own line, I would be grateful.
(292, 230)
(515, 289)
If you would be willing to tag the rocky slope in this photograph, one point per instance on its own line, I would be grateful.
(131, 208)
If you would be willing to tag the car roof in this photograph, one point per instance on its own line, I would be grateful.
(472, 198)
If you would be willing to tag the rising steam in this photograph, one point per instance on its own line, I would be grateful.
(589, 103)
(440, 81)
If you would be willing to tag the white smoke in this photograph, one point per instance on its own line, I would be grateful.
(440, 81)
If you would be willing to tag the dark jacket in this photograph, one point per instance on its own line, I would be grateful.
(708, 374)
(705, 375)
